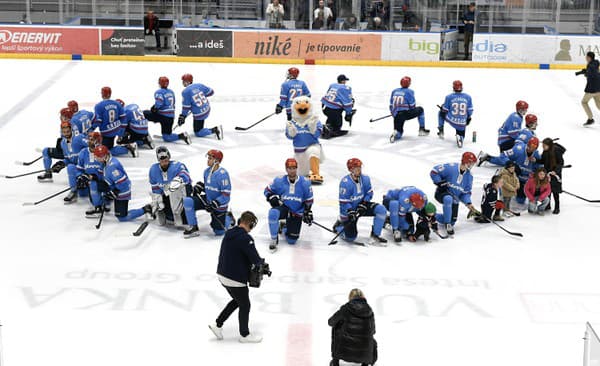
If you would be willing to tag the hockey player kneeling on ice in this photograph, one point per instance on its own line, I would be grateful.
(304, 130)
(403, 107)
(509, 131)
(195, 101)
(426, 221)
(171, 183)
(353, 327)
(56, 152)
(71, 146)
(291, 88)
(88, 173)
(355, 197)
(454, 182)
(401, 203)
(117, 186)
(212, 195)
(109, 117)
(136, 127)
(338, 99)
(291, 198)
(456, 111)
(492, 203)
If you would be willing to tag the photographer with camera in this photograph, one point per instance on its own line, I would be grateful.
(592, 87)
(239, 263)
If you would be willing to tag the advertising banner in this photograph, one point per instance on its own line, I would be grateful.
(204, 43)
(122, 41)
(313, 45)
(449, 45)
(572, 49)
(410, 46)
(49, 40)
(512, 48)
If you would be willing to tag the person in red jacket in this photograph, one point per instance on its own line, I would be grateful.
(537, 190)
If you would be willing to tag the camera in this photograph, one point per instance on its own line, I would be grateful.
(581, 72)
(256, 274)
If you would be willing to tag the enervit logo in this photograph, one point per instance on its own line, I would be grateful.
(7, 36)
(431, 48)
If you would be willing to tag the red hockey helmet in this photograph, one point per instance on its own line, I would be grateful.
(95, 137)
(121, 102)
(531, 121)
(293, 73)
(106, 92)
(73, 106)
(417, 200)
(468, 158)
(353, 163)
(533, 143)
(291, 163)
(405, 82)
(457, 86)
(215, 154)
(163, 82)
(187, 78)
(66, 114)
(522, 106)
(100, 152)
(65, 125)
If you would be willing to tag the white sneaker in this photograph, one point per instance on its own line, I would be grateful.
(218, 332)
(251, 338)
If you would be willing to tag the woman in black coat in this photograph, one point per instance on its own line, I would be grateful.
(353, 327)
(553, 161)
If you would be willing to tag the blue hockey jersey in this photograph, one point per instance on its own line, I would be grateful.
(195, 100)
(510, 128)
(81, 122)
(402, 195)
(135, 120)
(352, 193)
(304, 138)
(72, 148)
(401, 99)
(460, 185)
(159, 178)
(218, 187)
(86, 163)
(339, 96)
(291, 89)
(108, 115)
(296, 196)
(458, 108)
(164, 101)
(115, 176)
(525, 135)
(519, 155)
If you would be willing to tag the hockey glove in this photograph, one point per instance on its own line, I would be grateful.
(307, 217)
(499, 205)
(58, 166)
(352, 215)
(153, 109)
(111, 195)
(181, 120)
(199, 188)
(443, 114)
(278, 109)
(348, 116)
(212, 206)
(468, 120)
(362, 208)
(274, 200)
(473, 213)
(83, 181)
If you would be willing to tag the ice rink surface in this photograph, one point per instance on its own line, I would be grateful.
(74, 295)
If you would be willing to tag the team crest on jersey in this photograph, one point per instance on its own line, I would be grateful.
(116, 173)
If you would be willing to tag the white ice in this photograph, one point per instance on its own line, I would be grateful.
(74, 295)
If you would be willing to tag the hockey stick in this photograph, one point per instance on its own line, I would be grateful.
(581, 198)
(101, 218)
(323, 227)
(21, 175)
(26, 163)
(47, 198)
(334, 240)
(254, 124)
(379, 118)
(492, 221)
(513, 212)
(205, 203)
(141, 228)
(442, 236)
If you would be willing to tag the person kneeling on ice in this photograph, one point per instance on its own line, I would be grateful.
(291, 198)
(454, 182)
(355, 195)
(426, 222)
(56, 152)
(538, 191)
(304, 130)
(117, 186)
(402, 203)
(403, 107)
(456, 111)
(195, 101)
(171, 183)
(491, 201)
(212, 195)
(353, 328)
(136, 127)
(89, 172)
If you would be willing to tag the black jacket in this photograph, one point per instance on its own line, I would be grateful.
(593, 77)
(559, 150)
(352, 333)
(469, 16)
(237, 254)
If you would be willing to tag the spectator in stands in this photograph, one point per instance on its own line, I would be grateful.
(351, 23)
(151, 24)
(469, 22)
(275, 15)
(410, 21)
(378, 9)
(327, 14)
(377, 24)
(24, 19)
(319, 22)
(331, 6)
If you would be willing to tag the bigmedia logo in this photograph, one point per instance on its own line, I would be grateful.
(431, 48)
(7, 36)
(489, 50)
